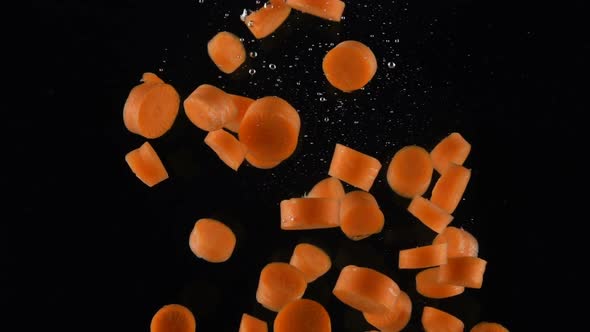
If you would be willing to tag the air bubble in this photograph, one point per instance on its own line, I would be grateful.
(323, 99)
(252, 71)
(272, 66)
(391, 64)
(253, 54)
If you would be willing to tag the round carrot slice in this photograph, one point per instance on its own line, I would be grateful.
(279, 284)
(212, 240)
(209, 107)
(410, 171)
(173, 318)
(459, 242)
(261, 163)
(360, 216)
(302, 315)
(436, 320)
(488, 327)
(349, 66)
(226, 51)
(311, 260)
(393, 320)
(427, 285)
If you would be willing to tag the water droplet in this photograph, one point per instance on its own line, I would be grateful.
(323, 99)
(252, 71)
(272, 66)
(242, 40)
(326, 119)
(253, 54)
(391, 64)
(243, 15)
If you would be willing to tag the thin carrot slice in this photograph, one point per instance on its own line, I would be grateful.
(209, 108)
(463, 271)
(327, 9)
(310, 213)
(173, 318)
(231, 151)
(252, 324)
(354, 167)
(450, 187)
(226, 51)
(488, 327)
(394, 320)
(146, 165)
(451, 149)
(212, 240)
(311, 260)
(279, 284)
(329, 187)
(410, 171)
(427, 285)
(241, 103)
(422, 257)
(366, 289)
(429, 214)
(151, 107)
(266, 20)
(302, 315)
(349, 66)
(436, 320)
(360, 215)
(262, 164)
(459, 242)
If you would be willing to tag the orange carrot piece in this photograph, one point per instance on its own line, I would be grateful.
(451, 149)
(394, 320)
(427, 285)
(436, 320)
(209, 108)
(302, 315)
(227, 147)
(450, 187)
(310, 213)
(429, 214)
(484, 326)
(252, 324)
(349, 66)
(459, 242)
(262, 164)
(173, 318)
(146, 165)
(366, 289)
(410, 171)
(422, 257)
(151, 107)
(463, 271)
(212, 240)
(241, 103)
(266, 20)
(311, 260)
(360, 215)
(329, 187)
(226, 51)
(327, 9)
(279, 284)
(354, 167)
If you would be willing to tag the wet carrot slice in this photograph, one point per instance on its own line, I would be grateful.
(279, 284)
(450, 187)
(146, 165)
(429, 214)
(241, 103)
(226, 51)
(488, 327)
(410, 171)
(329, 187)
(173, 318)
(311, 260)
(394, 320)
(310, 213)
(262, 164)
(436, 320)
(302, 315)
(459, 242)
(360, 215)
(267, 19)
(451, 149)
(427, 285)
(209, 108)
(252, 324)
(423, 257)
(151, 107)
(349, 66)
(354, 167)
(227, 147)
(212, 240)
(327, 9)
(463, 271)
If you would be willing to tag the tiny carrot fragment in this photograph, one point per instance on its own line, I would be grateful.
(349, 66)
(327, 9)
(429, 214)
(226, 51)
(354, 167)
(173, 318)
(302, 315)
(279, 284)
(463, 271)
(329, 187)
(450, 187)
(423, 257)
(266, 20)
(451, 149)
(410, 171)
(360, 215)
(488, 327)
(436, 320)
(394, 320)
(427, 285)
(311, 260)
(212, 240)
(227, 147)
(209, 108)
(241, 103)
(250, 323)
(459, 242)
(309, 213)
(146, 165)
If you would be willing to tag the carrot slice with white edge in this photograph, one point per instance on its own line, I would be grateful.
(302, 315)
(349, 66)
(410, 171)
(329, 187)
(459, 242)
(436, 320)
(393, 320)
(250, 323)
(427, 285)
(264, 21)
(241, 103)
(227, 147)
(429, 214)
(212, 240)
(309, 213)
(279, 284)
(327, 9)
(354, 167)
(360, 215)
(311, 260)
(209, 108)
(450, 187)
(423, 257)
(146, 165)
(451, 149)
(227, 51)
(463, 271)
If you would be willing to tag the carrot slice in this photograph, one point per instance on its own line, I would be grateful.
(451, 149)
(209, 108)
(463, 271)
(366, 289)
(212, 240)
(488, 327)
(262, 164)
(427, 285)
(311, 260)
(252, 324)
(360, 215)
(429, 214)
(151, 107)
(327, 9)
(394, 320)
(349, 66)
(436, 320)
(410, 171)
(354, 167)
(146, 165)
(173, 318)
(459, 242)
(310, 213)
(241, 103)
(226, 51)
(302, 315)
(279, 284)
(329, 187)
(227, 147)
(450, 187)
(267, 19)
(422, 257)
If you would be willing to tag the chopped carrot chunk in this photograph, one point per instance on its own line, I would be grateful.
(410, 171)
(349, 66)
(424, 256)
(450, 187)
(451, 149)
(227, 147)
(429, 214)
(354, 167)
(279, 284)
(146, 165)
(226, 51)
(427, 285)
(310, 213)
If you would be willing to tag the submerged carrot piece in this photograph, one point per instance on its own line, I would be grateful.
(450, 187)
(463, 271)
(279, 284)
(262, 164)
(394, 320)
(422, 257)
(354, 167)
(227, 147)
(427, 285)
(311, 260)
(366, 289)
(410, 171)
(436, 320)
(459, 242)
(302, 315)
(252, 324)
(146, 165)
(212, 240)
(209, 108)
(226, 51)
(349, 66)
(488, 327)
(267, 19)
(151, 107)
(327, 9)
(451, 149)
(310, 213)
(173, 318)
(360, 215)
(329, 187)
(241, 103)
(429, 214)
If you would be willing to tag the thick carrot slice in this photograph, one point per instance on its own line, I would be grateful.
(327, 9)
(354, 167)
(410, 171)
(451, 149)
(311, 260)
(241, 103)
(267, 19)
(488, 327)
(279, 284)
(450, 187)
(262, 164)
(310, 213)
(173, 318)
(231, 151)
(463, 271)
(427, 285)
(360, 215)
(252, 324)
(459, 242)
(429, 214)
(151, 107)
(366, 289)
(394, 320)
(349, 66)
(436, 320)
(329, 187)
(209, 107)
(212, 240)
(146, 165)
(226, 51)
(422, 257)
(302, 315)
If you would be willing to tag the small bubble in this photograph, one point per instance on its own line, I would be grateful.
(343, 18)
(252, 71)
(226, 15)
(201, 1)
(253, 54)
(323, 99)
(391, 64)
(396, 40)
(160, 69)
(257, 2)
(272, 66)
(326, 119)
(310, 49)
(298, 83)
(371, 35)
